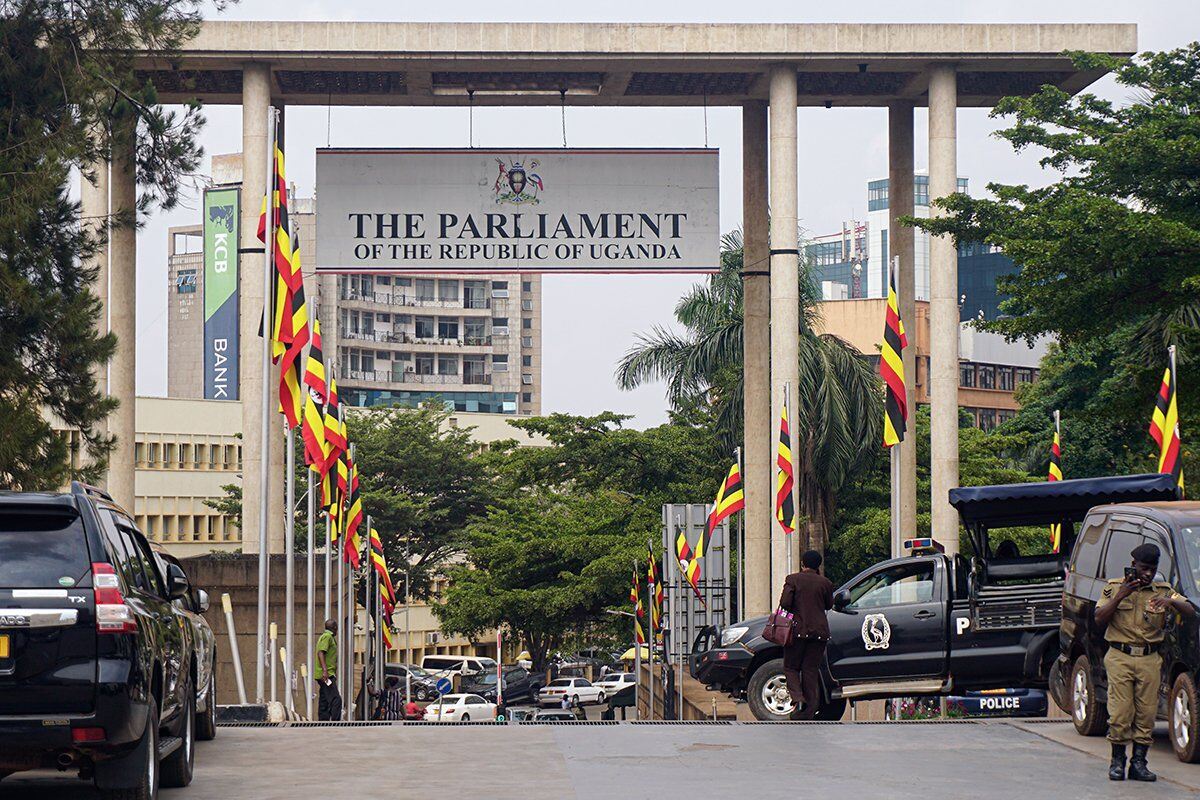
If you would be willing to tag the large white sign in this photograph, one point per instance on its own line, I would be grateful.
(507, 210)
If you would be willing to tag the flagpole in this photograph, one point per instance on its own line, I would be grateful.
(311, 598)
(289, 551)
(265, 465)
(650, 638)
(370, 656)
(741, 548)
(787, 538)
(341, 616)
(328, 563)
(637, 651)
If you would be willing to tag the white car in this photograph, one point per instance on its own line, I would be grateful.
(460, 708)
(578, 690)
(614, 682)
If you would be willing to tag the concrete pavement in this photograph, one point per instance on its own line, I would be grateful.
(906, 760)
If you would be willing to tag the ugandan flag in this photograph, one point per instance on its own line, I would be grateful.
(891, 368)
(785, 504)
(386, 631)
(335, 428)
(387, 592)
(689, 567)
(287, 268)
(339, 483)
(635, 600)
(291, 397)
(1055, 474)
(731, 498)
(352, 547)
(1164, 427)
(316, 448)
(654, 581)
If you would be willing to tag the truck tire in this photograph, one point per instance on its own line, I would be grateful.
(1184, 719)
(767, 695)
(143, 761)
(1087, 712)
(831, 710)
(177, 767)
(206, 723)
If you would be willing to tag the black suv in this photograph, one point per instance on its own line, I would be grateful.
(1077, 682)
(96, 670)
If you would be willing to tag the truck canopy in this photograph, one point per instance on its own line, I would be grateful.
(1049, 502)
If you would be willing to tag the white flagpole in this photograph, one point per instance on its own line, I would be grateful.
(741, 543)
(311, 592)
(341, 616)
(648, 630)
(370, 654)
(289, 551)
(260, 652)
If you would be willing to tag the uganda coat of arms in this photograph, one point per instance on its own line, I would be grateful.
(517, 183)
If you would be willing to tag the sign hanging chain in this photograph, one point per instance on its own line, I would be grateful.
(471, 118)
(706, 120)
(562, 98)
(328, 117)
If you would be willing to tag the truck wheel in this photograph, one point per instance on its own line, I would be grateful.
(1088, 714)
(1184, 719)
(206, 725)
(177, 767)
(143, 762)
(831, 711)
(767, 693)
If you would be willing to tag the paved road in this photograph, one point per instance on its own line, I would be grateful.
(980, 761)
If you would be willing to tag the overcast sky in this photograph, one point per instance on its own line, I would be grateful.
(590, 321)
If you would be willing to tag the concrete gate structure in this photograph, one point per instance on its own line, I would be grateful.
(767, 70)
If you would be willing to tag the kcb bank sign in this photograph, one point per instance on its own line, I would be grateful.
(560, 210)
(222, 211)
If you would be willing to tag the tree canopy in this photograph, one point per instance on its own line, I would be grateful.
(70, 92)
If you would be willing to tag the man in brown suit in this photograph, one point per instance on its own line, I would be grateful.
(808, 595)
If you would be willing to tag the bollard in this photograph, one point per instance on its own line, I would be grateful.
(227, 604)
(714, 709)
(307, 690)
(272, 639)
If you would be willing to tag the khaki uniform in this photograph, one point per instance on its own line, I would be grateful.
(1133, 680)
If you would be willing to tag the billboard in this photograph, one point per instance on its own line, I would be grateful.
(553, 210)
(222, 210)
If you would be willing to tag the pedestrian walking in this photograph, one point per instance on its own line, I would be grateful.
(1134, 609)
(390, 701)
(808, 595)
(329, 704)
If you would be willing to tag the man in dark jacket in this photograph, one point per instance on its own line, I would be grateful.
(808, 595)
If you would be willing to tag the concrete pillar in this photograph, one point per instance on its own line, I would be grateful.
(123, 319)
(256, 99)
(943, 307)
(95, 210)
(901, 243)
(756, 361)
(785, 293)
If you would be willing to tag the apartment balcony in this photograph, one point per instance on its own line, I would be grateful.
(404, 300)
(383, 376)
(418, 345)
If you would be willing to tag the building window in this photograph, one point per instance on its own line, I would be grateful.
(447, 365)
(527, 305)
(987, 419)
(448, 291)
(526, 323)
(474, 331)
(383, 280)
(526, 286)
(425, 287)
(185, 281)
(475, 294)
(425, 329)
(966, 374)
(499, 363)
(986, 376)
(527, 379)
(500, 289)
(526, 341)
(424, 364)
(474, 369)
(499, 325)
(1024, 375)
(1004, 415)
(526, 397)
(526, 361)
(447, 328)
(384, 317)
(1004, 378)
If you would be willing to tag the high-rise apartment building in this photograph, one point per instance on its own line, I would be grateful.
(471, 342)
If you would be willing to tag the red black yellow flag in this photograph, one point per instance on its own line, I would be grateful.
(335, 428)
(655, 583)
(352, 547)
(785, 504)
(291, 398)
(635, 600)
(316, 448)
(1164, 426)
(387, 592)
(287, 268)
(891, 368)
(731, 498)
(1055, 474)
(689, 567)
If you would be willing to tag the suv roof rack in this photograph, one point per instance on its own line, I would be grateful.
(79, 487)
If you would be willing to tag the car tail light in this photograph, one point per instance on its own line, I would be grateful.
(86, 735)
(112, 614)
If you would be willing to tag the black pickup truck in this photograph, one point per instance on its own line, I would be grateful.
(932, 624)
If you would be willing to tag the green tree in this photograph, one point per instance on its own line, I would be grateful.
(1110, 252)
(69, 90)
(838, 402)
(544, 567)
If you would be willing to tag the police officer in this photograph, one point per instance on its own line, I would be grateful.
(1134, 609)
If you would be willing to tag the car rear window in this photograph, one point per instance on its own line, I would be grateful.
(41, 550)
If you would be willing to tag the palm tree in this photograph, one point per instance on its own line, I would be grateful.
(838, 399)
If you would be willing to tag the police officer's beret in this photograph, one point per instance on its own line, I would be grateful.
(1146, 553)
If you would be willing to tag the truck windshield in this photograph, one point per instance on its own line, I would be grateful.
(1191, 548)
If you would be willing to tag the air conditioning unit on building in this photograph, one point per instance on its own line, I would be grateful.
(432, 637)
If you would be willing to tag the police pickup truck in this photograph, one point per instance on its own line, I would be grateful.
(929, 623)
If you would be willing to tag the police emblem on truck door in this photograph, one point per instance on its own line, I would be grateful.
(876, 632)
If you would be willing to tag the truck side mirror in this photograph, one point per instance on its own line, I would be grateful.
(841, 599)
(177, 582)
(202, 600)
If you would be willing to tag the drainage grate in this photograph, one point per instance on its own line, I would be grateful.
(249, 724)
(681, 722)
(569, 722)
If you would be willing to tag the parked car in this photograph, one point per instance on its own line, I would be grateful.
(554, 716)
(614, 682)
(460, 708)
(519, 684)
(1078, 681)
(424, 683)
(928, 624)
(1000, 703)
(580, 691)
(445, 666)
(192, 607)
(97, 673)
(522, 713)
